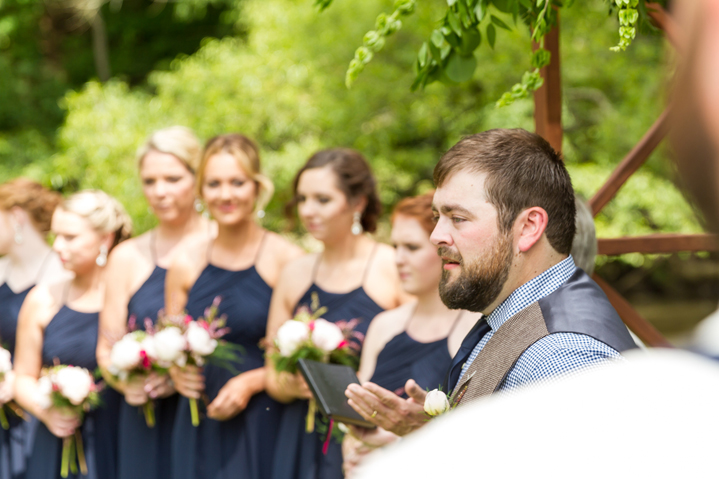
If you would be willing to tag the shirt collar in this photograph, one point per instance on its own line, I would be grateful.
(532, 291)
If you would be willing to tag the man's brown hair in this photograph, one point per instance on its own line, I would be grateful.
(522, 171)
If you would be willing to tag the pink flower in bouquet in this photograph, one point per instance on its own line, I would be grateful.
(291, 336)
(326, 335)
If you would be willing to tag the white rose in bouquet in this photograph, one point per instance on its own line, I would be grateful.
(125, 354)
(326, 335)
(290, 337)
(436, 403)
(5, 362)
(170, 345)
(200, 340)
(42, 394)
(148, 345)
(74, 383)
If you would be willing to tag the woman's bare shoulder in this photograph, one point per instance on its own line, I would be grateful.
(42, 302)
(283, 248)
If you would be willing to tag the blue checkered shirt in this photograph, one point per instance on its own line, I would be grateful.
(553, 355)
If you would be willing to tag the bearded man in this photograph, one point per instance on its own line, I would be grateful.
(505, 212)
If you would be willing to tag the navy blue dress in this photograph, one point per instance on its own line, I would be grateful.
(404, 358)
(15, 442)
(143, 451)
(241, 447)
(71, 338)
(299, 454)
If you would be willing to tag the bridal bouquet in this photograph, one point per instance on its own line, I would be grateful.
(308, 336)
(181, 340)
(5, 369)
(71, 388)
(134, 356)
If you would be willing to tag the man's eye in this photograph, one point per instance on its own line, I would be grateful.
(457, 220)
(435, 218)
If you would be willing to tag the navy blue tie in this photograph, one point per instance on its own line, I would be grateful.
(474, 336)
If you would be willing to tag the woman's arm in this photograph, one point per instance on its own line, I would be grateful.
(284, 387)
(35, 314)
(113, 317)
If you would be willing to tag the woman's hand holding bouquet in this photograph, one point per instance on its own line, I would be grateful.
(134, 362)
(65, 394)
(308, 336)
(7, 382)
(185, 345)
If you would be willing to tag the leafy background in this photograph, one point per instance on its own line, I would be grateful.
(275, 70)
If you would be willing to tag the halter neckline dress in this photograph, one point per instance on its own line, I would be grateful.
(299, 454)
(16, 442)
(241, 447)
(144, 451)
(403, 358)
(71, 338)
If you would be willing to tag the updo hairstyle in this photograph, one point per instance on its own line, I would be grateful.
(247, 154)
(104, 213)
(36, 200)
(178, 141)
(354, 179)
(418, 208)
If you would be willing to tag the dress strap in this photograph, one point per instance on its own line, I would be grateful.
(410, 318)
(369, 263)
(456, 322)
(316, 267)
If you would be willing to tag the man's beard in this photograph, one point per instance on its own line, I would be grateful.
(480, 281)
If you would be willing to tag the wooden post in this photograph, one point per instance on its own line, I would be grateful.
(548, 98)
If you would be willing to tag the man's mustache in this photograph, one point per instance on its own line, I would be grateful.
(446, 252)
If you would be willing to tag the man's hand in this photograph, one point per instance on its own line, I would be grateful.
(385, 409)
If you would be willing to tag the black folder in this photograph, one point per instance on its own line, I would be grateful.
(328, 383)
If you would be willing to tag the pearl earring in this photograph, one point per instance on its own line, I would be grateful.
(198, 205)
(101, 259)
(18, 234)
(356, 224)
(260, 214)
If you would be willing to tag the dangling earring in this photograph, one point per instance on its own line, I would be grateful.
(260, 214)
(101, 259)
(198, 205)
(356, 224)
(18, 234)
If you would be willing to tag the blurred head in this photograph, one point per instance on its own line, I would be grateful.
(419, 267)
(695, 105)
(25, 205)
(168, 161)
(584, 247)
(503, 198)
(330, 188)
(87, 224)
(230, 179)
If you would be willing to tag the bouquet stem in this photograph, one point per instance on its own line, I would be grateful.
(310, 423)
(65, 464)
(3, 419)
(194, 413)
(80, 453)
(149, 410)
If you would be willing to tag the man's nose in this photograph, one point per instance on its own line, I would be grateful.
(440, 235)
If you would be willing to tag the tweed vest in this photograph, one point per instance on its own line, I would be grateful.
(578, 306)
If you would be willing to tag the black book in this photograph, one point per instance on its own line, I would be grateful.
(328, 383)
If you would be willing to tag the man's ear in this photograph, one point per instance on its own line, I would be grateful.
(530, 226)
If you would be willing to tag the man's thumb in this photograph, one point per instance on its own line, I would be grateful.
(415, 392)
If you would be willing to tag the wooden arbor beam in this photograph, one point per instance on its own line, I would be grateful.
(658, 244)
(548, 98)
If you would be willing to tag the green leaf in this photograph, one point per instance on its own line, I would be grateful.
(454, 40)
(460, 69)
(423, 56)
(491, 35)
(471, 40)
(436, 52)
(480, 10)
(500, 23)
(454, 23)
(437, 38)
